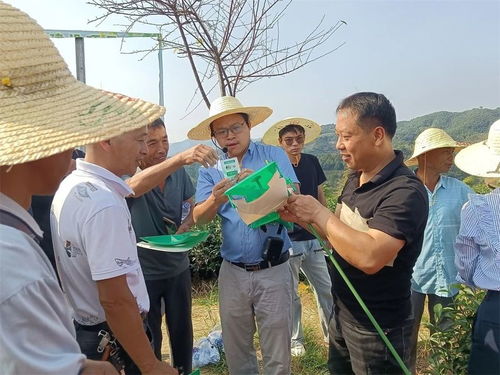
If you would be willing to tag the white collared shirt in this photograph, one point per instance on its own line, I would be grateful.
(37, 335)
(94, 239)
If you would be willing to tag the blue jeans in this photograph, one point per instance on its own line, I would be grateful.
(485, 355)
(357, 350)
(308, 257)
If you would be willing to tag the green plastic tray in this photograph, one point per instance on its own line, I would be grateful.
(183, 239)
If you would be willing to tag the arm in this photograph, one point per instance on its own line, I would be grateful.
(205, 211)
(153, 176)
(368, 251)
(466, 249)
(122, 315)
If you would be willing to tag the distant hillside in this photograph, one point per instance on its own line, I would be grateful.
(468, 126)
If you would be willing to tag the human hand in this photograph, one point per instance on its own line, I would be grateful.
(243, 174)
(202, 154)
(184, 227)
(98, 368)
(161, 368)
(303, 208)
(219, 189)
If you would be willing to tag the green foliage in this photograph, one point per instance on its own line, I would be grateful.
(477, 184)
(205, 258)
(449, 348)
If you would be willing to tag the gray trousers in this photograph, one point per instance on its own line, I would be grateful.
(256, 300)
(418, 304)
(308, 257)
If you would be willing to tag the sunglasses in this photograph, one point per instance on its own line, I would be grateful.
(289, 140)
(170, 225)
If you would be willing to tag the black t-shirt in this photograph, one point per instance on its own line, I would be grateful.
(394, 202)
(310, 175)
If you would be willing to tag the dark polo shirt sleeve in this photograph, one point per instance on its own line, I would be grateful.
(397, 212)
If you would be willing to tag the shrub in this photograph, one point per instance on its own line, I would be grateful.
(205, 258)
(449, 349)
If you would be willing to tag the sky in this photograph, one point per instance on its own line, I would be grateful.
(425, 56)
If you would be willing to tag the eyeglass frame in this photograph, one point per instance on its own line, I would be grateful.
(226, 131)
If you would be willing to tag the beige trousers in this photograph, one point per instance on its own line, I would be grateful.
(256, 300)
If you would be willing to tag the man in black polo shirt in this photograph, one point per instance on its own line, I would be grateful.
(376, 233)
(160, 189)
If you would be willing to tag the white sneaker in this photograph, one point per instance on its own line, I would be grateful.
(298, 350)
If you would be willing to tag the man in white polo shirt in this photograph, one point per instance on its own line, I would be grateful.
(96, 254)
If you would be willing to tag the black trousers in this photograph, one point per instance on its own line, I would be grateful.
(89, 339)
(176, 294)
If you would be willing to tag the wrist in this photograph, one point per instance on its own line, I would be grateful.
(321, 218)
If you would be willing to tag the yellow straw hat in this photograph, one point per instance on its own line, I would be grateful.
(227, 105)
(311, 128)
(44, 110)
(431, 139)
(482, 159)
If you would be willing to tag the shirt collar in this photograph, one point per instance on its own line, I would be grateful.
(113, 180)
(388, 170)
(10, 205)
(251, 148)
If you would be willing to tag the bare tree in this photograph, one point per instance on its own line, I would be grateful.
(228, 43)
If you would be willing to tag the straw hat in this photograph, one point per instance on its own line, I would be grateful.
(227, 105)
(431, 139)
(482, 159)
(44, 110)
(312, 130)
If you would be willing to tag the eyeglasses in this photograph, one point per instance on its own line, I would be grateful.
(289, 140)
(235, 129)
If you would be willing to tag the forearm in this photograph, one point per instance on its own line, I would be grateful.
(124, 319)
(358, 248)
(205, 212)
(153, 176)
(321, 196)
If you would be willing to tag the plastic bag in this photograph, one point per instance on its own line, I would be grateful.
(207, 349)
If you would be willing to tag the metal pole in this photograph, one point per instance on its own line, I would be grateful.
(160, 69)
(80, 59)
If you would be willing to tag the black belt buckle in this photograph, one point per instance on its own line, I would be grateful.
(252, 267)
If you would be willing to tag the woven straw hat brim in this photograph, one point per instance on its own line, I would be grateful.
(44, 110)
(256, 115)
(432, 139)
(478, 160)
(312, 130)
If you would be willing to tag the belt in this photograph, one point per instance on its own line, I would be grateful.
(262, 265)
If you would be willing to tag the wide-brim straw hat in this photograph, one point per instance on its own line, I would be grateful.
(44, 110)
(311, 128)
(223, 106)
(482, 159)
(431, 139)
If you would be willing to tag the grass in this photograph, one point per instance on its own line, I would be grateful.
(206, 317)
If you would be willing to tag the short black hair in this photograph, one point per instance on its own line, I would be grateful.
(370, 105)
(291, 128)
(156, 123)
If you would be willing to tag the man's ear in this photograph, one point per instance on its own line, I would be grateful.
(106, 145)
(379, 135)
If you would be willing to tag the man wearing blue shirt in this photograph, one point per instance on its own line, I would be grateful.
(252, 292)
(435, 271)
